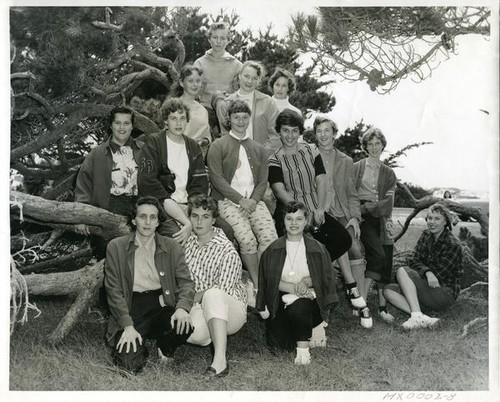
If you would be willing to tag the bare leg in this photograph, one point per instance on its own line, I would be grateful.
(251, 262)
(397, 300)
(408, 301)
(218, 333)
(409, 290)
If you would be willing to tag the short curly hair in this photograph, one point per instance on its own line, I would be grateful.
(172, 105)
(238, 106)
(257, 65)
(371, 133)
(205, 202)
(289, 117)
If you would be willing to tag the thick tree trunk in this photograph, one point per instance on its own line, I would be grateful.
(59, 214)
(63, 283)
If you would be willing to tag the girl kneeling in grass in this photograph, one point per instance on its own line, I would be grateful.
(297, 287)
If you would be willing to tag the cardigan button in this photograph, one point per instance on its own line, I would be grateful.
(167, 292)
(162, 273)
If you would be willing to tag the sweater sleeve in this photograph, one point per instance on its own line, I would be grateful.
(215, 160)
(262, 175)
(148, 181)
(220, 105)
(261, 301)
(352, 194)
(272, 114)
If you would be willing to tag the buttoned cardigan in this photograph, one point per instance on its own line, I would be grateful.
(222, 160)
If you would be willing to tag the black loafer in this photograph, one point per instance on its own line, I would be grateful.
(211, 373)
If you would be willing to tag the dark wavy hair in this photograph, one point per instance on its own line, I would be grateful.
(290, 118)
(281, 72)
(205, 202)
(148, 200)
(115, 111)
(186, 71)
(294, 206)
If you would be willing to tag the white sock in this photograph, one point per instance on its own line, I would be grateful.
(416, 314)
(303, 352)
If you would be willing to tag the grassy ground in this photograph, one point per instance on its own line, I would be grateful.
(385, 358)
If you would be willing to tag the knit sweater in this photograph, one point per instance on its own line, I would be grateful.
(222, 160)
(218, 74)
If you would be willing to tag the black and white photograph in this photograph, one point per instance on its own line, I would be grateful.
(255, 201)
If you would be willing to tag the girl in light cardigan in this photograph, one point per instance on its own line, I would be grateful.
(237, 167)
(376, 184)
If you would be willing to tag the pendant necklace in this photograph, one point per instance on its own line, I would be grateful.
(292, 262)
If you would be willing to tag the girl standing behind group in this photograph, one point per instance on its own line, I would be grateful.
(282, 85)
(263, 108)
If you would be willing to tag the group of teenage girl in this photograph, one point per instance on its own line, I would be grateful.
(231, 161)
(269, 183)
